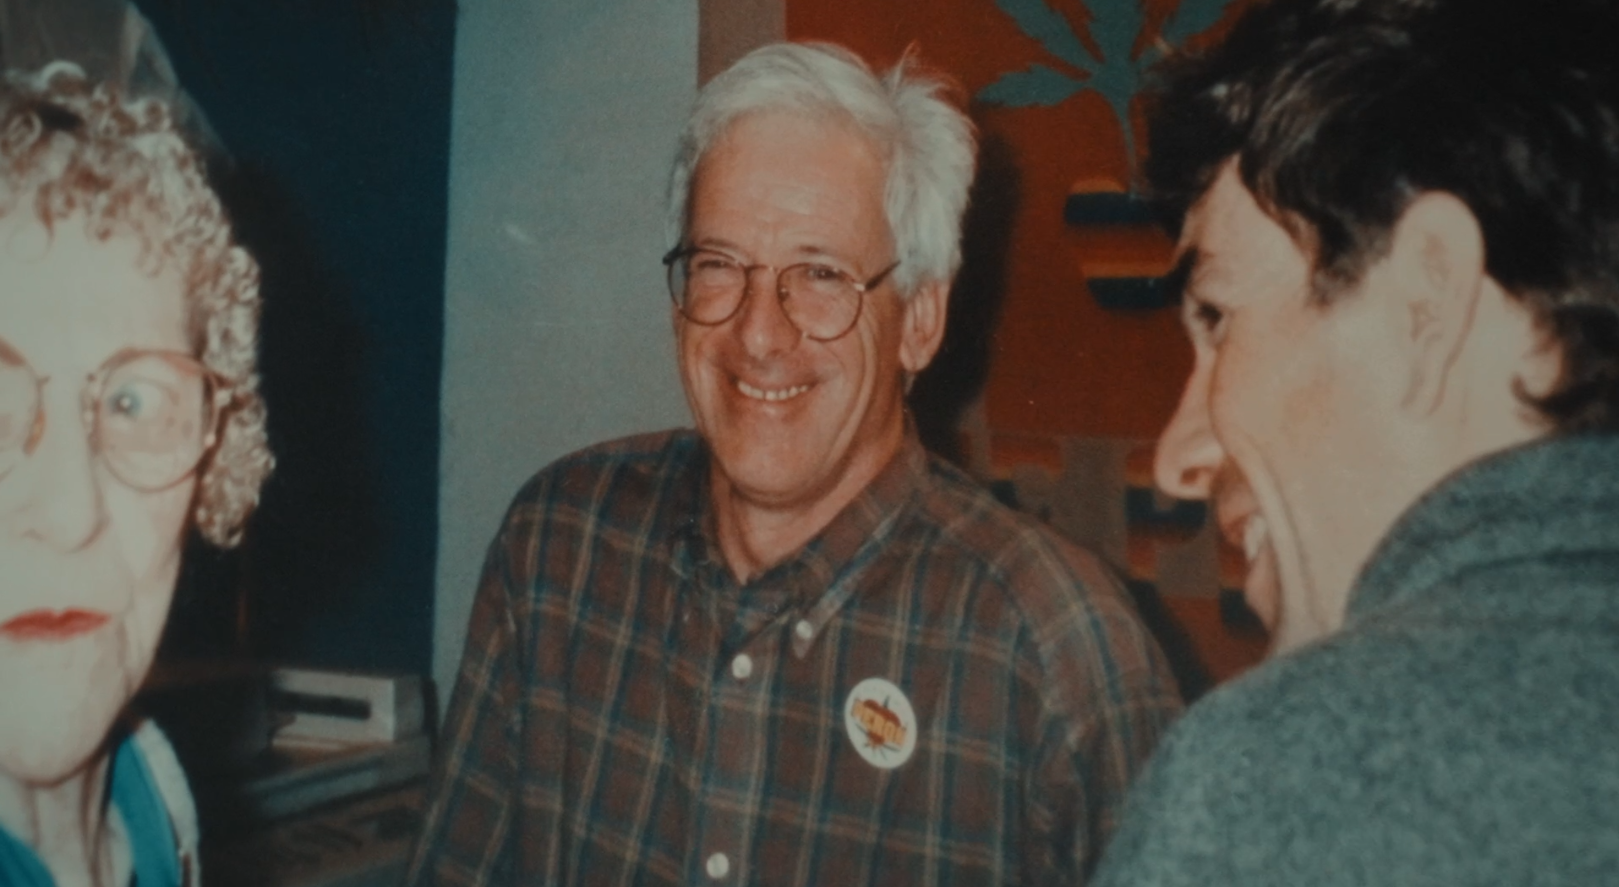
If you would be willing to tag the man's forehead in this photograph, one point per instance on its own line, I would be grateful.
(1228, 236)
(1220, 214)
(793, 185)
(1202, 231)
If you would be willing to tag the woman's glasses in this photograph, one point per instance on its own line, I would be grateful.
(151, 415)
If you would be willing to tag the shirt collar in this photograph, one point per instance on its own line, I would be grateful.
(820, 577)
(1552, 496)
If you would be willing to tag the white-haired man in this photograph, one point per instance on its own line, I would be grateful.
(790, 648)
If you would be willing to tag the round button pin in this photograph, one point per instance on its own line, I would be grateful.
(881, 723)
(804, 629)
(718, 866)
(742, 666)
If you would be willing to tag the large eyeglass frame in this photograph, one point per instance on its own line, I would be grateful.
(675, 260)
(218, 395)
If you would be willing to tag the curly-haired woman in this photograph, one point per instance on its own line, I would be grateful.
(129, 412)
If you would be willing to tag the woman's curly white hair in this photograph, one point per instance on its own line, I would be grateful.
(72, 148)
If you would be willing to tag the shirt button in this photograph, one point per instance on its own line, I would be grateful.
(804, 630)
(741, 667)
(718, 865)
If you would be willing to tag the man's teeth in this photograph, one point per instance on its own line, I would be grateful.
(1253, 536)
(774, 394)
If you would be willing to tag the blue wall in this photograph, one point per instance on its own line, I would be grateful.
(557, 330)
(337, 116)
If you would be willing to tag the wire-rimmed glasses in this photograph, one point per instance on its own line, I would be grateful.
(820, 301)
(151, 415)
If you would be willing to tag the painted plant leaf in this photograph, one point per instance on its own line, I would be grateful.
(1191, 18)
(1041, 22)
(1114, 25)
(1037, 85)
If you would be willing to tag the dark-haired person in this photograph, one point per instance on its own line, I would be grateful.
(1400, 258)
(129, 413)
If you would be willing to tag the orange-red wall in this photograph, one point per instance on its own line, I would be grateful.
(1061, 365)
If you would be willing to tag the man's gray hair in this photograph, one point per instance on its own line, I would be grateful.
(926, 141)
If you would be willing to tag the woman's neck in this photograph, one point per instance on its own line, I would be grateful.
(69, 826)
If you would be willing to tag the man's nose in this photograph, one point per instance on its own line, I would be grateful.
(762, 321)
(1188, 453)
(59, 491)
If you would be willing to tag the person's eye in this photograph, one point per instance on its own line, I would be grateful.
(137, 400)
(711, 262)
(1209, 318)
(823, 273)
(126, 402)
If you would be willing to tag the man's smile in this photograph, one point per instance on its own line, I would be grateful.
(772, 395)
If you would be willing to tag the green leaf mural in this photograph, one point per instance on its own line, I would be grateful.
(1038, 85)
(1113, 71)
(1039, 21)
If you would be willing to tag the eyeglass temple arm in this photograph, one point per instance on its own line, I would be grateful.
(881, 275)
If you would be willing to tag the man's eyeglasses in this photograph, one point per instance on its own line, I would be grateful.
(821, 301)
(151, 415)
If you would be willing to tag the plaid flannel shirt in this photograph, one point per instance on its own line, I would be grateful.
(627, 714)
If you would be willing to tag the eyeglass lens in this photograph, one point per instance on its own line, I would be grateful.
(153, 413)
(821, 301)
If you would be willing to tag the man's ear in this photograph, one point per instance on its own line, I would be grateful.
(924, 326)
(1437, 259)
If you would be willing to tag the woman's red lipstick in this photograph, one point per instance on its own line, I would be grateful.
(52, 625)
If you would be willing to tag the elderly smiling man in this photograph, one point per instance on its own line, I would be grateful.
(1401, 280)
(791, 648)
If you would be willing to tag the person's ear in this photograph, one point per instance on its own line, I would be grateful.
(923, 326)
(1437, 259)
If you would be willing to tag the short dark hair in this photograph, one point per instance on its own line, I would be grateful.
(1340, 112)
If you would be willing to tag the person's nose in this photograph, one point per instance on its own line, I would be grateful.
(1189, 455)
(60, 502)
(762, 322)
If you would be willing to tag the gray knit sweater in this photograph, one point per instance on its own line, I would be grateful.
(1462, 728)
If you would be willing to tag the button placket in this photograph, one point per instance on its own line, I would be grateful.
(738, 715)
